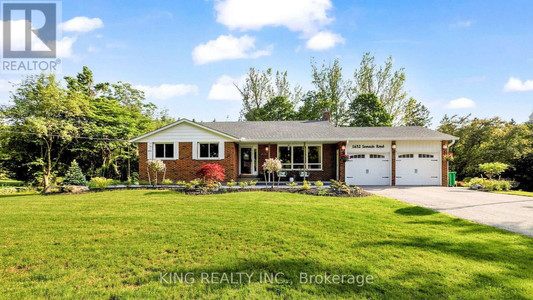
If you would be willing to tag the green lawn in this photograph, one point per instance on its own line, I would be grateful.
(116, 244)
(518, 193)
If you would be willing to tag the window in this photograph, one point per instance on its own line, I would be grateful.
(293, 157)
(357, 156)
(314, 157)
(406, 156)
(425, 156)
(377, 156)
(208, 150)
(164, 151)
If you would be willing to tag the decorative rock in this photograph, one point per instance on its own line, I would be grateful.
(476, 186)
(75, 189)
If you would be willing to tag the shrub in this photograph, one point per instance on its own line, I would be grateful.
(243, 184)
(167, 182)
(144, 182)
(493, 169)
(305, 186)
(212, 173)
(292, 184)
(491, 184)
(252, 183)
(100, 183)
(181, 183)
(319, 183)
(323, 191)
(74, 175)
(134, 178)
(231, 183)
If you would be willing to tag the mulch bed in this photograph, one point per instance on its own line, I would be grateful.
(312, 191)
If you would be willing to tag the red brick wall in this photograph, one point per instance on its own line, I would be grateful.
(185, 167)
(342, 164)
(444, 174)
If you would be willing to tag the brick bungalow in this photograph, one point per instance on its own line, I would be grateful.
(376, 155)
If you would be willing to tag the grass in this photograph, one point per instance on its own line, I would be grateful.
(517, 193)
(116, 244)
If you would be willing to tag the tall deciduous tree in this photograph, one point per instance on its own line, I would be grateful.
(330, 91)
(367, 110)
(260, 87)
(277, 109)
(415, 114)
(383, 81)
(48, 117)
(486, 140)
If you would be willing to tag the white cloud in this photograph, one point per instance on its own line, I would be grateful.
(81, 24)
(64, 47)
(462, 24)
(227, 47)
(306, 16)
(324, 40)
(224, 88)
(167, 91)
(517, 85)
(461, 103)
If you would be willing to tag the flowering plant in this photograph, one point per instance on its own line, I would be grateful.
(272, 165)
(344, 157)
(448, 157)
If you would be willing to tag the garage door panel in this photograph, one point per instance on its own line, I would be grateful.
(418, 169)
(368, 169)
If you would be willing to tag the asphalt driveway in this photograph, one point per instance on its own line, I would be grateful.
(513, 213)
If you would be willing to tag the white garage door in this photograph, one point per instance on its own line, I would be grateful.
(418, 169)
(368, 169)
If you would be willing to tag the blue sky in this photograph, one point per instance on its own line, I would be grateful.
(460, 57)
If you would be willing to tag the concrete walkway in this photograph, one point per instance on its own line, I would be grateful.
(513, 213)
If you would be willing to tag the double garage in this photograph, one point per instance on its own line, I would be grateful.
(414, 163)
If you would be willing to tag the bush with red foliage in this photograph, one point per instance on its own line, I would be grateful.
(212, 173)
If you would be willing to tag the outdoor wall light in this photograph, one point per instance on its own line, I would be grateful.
(394, 147)
(444, 146)
(266, 148)
(343, 147)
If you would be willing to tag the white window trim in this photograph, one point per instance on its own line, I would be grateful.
(207, 158)
(306, 158)
(175, 154)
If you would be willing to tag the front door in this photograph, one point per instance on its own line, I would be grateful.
(248, 160)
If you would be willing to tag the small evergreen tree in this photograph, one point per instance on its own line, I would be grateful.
(74, 175)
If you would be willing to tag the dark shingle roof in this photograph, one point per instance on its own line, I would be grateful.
(320, 130)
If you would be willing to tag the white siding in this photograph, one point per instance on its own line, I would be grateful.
(184, 133)
(418, 146)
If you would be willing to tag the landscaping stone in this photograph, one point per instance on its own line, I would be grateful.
(75, 189)
(476, 186)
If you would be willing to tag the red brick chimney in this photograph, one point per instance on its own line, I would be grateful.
(326, 117)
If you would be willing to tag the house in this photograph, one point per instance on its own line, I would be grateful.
(377, 155)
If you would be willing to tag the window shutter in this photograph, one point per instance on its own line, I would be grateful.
(176, 150)
(149, 151)
(194, 150)
(221, 150)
